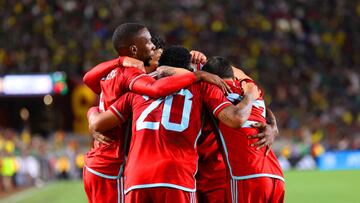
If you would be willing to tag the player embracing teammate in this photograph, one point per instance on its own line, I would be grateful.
(163, 156)
(254, 175)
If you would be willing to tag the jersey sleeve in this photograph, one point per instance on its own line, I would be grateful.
(92, 77)
(122, 107)
(213, 98)
(144, 84)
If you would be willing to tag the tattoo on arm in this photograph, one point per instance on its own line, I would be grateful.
(244, 108)
(224, 117)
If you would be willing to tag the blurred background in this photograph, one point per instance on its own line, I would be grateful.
(304, 53)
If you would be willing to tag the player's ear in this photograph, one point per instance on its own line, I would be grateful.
(133, 49)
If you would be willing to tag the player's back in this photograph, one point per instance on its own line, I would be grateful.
(211, 166)
(243, 160)
(103, 158)
(164, 137)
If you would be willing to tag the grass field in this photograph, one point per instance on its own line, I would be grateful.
(304, 187)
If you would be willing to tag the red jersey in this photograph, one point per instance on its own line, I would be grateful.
(163, 149)
(117, 83)
(107, 160)
(244, 161)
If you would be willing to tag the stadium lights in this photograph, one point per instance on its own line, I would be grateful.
(33, 84)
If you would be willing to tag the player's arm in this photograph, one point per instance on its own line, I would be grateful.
(164, 71)
(267, 133)
(103, 121)
(98, 136)
(236, 116)
(116, 115)
(92, 77)
(164, 86)
(230, 115)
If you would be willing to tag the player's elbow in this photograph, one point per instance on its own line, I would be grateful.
(232, 117)
(86, 79)
(154, 93)
(95, 125)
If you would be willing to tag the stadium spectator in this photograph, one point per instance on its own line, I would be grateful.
(33, 162)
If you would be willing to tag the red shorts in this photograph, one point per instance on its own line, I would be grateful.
(160, 194)
(102, 190)
(217, 195)
(259, 190)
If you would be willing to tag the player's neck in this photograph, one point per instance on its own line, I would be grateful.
(126, 53)
(228, 79)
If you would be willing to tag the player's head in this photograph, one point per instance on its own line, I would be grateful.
(219, 66)
(158, 42)
(176, 56)
(159, 47)
(134, 40)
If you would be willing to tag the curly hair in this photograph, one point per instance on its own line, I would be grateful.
(176, 56)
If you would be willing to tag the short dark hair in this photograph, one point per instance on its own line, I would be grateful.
(157, 41)
(219, 66)
(125, 34)
(176, 56)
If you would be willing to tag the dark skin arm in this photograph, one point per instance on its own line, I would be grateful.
(164, 71)
(268, 132)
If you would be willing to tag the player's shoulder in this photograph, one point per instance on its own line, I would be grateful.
(125, 71)
(131, 70)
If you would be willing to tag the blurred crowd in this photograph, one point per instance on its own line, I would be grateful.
(31, 160)
(304, 53)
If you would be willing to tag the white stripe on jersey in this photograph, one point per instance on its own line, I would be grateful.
(133, 80)
(118, 113)
(220, 106)
(159, 185)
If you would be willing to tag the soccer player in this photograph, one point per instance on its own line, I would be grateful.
(255, 174)
(104, 162)
(211, 178)
(162, 159)
(211, 184)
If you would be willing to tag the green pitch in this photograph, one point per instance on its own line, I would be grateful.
(322, 186)
(301, 186)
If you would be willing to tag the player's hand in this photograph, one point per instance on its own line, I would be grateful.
(213, 79)
(251, 90)
(132, 62)
(266, 136)
(102, 139)
(96, 135)
(197, 57)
